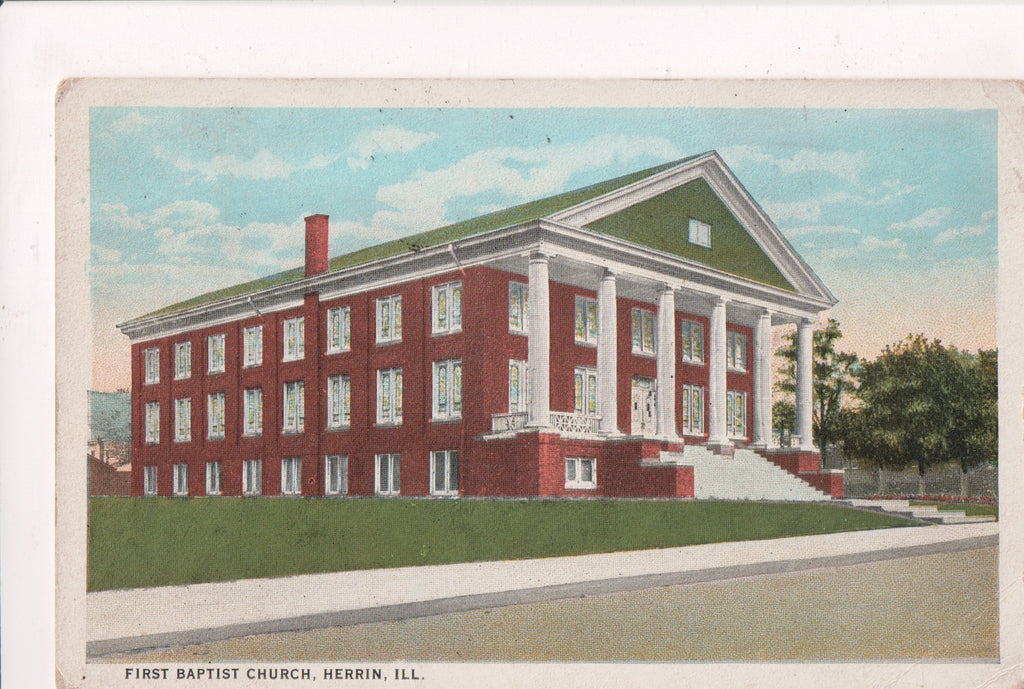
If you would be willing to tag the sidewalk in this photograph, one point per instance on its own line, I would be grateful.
(135, 619)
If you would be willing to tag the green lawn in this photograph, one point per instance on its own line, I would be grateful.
(969, 509)
(137, 542)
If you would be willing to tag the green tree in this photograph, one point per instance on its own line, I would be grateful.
(783, 420)
(835, 378)
(924, 404)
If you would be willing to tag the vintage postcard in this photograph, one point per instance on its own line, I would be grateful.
(489, 383)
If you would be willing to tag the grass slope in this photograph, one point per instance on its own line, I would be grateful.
(136, 542)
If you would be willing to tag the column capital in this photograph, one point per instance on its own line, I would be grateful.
(608, 274)
(538, 255)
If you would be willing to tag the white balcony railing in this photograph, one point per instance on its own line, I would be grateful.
(577, 424)
(503, 423)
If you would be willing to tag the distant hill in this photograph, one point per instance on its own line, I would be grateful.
(110, 416)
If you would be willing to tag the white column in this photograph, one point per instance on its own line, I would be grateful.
(762, 435)
(716, 376)
(666, 339)
(539, 342)
(607, 355)
(805, 385)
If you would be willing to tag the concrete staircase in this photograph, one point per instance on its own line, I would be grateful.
(745, 476)
(927, 513)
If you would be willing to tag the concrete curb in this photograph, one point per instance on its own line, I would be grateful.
(439, 606)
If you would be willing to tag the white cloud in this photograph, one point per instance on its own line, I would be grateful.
(385, 140)
(871, 243)
(801, 211)
(819, 230)
(131, 122)
(846, 165)
(960, 233)
(933, 217)
(263, 165)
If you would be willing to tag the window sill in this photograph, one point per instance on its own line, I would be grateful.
(732, 369)
(293, 360)
(335, 429)
(580, 487)
(585, 343)
(182, 441)
(446, 419)
(177, 378)
(645, 355)
(300, 432)
(387, 343)
(152, 382)
(442, 333)
(335, 495)
(213, 440)
(214, 373)
(454, 494)
(389, 424)
(331, 352)
(523, 333)
(252, 435)
(248, 366)
(693, 434)
(693, 363)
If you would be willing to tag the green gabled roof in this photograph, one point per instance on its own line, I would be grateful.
(507, 217)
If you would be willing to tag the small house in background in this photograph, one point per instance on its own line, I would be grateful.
(614, 340)
(109, 448)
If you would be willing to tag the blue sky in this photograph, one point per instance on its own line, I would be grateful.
(894, 209)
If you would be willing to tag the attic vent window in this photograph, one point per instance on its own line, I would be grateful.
(700, 233)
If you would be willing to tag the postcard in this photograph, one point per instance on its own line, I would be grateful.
(571, 383)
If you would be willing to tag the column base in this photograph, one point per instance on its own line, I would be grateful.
(725, 449)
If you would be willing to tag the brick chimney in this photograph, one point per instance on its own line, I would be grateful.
(316, 244)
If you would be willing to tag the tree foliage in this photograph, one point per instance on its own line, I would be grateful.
(835, 378)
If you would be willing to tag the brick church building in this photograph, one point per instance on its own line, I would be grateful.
(614, 340)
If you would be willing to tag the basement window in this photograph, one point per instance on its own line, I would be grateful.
(700, 233)
(580, 473)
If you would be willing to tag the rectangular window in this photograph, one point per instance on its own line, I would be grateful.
(294, 409)
(215, 354)
(389, 396)
(252, 411)
(152, 423)
(335, 475)
(252, 477)
(643, 332)
(700, 233)
(183, 420)
(736, 414)
(736, 351)
(182, 360)
(339, 330)
(294, 339)
(518, 308)
(152, 361)
(389, 319)
(518, 386)
(180, 477)
(149, 480)
(291, 476)
(252, 346)
(586, 321)
(213, 478)
(447, 390)
(585, 391)
(693, 342)
(388, 474)
(444, 472)
(691, 407)
(215, 416)
(339, 401)
(580, 473)
(446, 308)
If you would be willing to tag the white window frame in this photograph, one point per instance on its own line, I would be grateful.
(391, 482)
(149, 482)
(446, 308)
(692, 343)
(574, 473)
(340, 463)
(389, 380)
(151, 361)
(736, 414)
(291, 476)
(293, 344)
(522, 402)
(700, 233)
(252, 477)
(518, 310)
(215, 353)
(183, 420)
(584, 389)
(645, 339)
(446, 390)
(736, 351)
(179, 476)
(339, 401)
(692, 400)
(252, 346)
(152, 423)
(585, 327)
(389, 319)
(449, 476)
(252, 412)
(339, 329)
(215, 422)
(293, 404)
(182, 360)
(214, 478)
